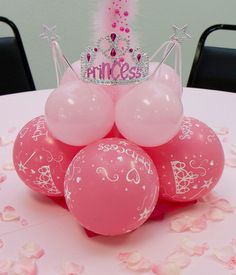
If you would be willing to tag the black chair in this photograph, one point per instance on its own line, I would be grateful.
(15, 74)
(214, 67)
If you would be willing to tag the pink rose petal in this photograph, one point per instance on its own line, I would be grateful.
(24, 222)
(215, 214)
(231, 162)
(8, 166)
(198, 225)
(3, 177)
(70, 268)
(156, 269)
(4, 141)
(181, 224)
(142, 266)
(12, 129)
(169, 269)
(180, 259)
(193, 249)
(226, 255)
(1, 245)
(5, 266)
(123, 256)
(134, 258)
(31, 250)
(210, 197)
(224, 205)
(9, 214)
(24, 267)
(222, 131)
(135, 261)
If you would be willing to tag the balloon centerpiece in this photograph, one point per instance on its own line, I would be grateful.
(108, 105)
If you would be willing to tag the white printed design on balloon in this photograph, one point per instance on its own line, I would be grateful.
(23, 132)
(123, 143)
(129, 152)
(40, 130)
(210, 138)
(194, 165)
(207, 183)
(22, 166)
(186, 129)
(73, 170)
(50, 158)
(103, 171)
(144, 215)
(45, 180)
(67, 194)
(133, 176)
(147, 210)
(183, 178)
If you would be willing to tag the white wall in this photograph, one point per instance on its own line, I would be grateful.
(73, 20)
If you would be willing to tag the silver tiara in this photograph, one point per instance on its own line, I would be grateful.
(113, 61)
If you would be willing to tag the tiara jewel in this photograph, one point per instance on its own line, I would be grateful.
(112, 61)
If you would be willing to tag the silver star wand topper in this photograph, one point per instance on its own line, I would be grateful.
(59, 59)
(180, 34)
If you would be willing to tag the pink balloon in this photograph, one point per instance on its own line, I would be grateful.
(167, 76)
(78, 113)
(40, 160)
(191, 164)
(150, 114)
(111, 187)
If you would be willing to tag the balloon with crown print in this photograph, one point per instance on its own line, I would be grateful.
(40, 160)
(191, 164)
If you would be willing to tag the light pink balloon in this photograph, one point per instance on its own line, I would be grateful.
(150, 114)
(191, 164)
(111, 187)
(166, 75)
(78, 113)
(40, 160)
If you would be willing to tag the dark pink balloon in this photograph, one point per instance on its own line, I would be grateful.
(111, 186)
(40, 160)
(191, 164)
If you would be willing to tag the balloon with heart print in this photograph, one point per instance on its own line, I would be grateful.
(191, 164)
(111, 186)
(40, 160)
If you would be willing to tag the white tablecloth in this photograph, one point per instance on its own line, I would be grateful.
(59, 234)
